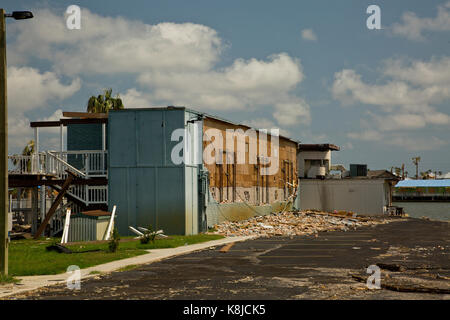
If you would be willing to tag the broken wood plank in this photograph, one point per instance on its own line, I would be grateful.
(86, 115)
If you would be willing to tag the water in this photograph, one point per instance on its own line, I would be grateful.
(432, 210)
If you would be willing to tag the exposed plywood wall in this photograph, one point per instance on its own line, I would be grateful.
(230, 174)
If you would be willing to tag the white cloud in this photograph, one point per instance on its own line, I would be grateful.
(56, 116)
(174, 64)
(308, 34)
(412, 26)
(405, 121)
(401, 140)
(349, 89)
(29, 89)
(435, 72)
(407, 99)
(417, 144)
(243, 85)
(368, 135)
(292, 113)
(19, 133)
(135, 99)
(261, 123)
(106, 45)
(347, 146)
(264, 123)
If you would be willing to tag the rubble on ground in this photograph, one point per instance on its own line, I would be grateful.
(21, 228)
(297, 223)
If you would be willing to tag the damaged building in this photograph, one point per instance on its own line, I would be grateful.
(183, 171)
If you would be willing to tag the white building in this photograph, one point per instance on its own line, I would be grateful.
(314, 160)
(370, 194)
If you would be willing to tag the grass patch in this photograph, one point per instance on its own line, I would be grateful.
(130, 267)
(95, 272)
(8, 279)
(173, 242)
(30, 257)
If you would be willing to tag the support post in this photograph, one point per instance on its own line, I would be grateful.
(111, 223)
(34, 209)
(36, 149)
(65, 235)
(43, 202)
(103, 136)
(3, 151)
(103, 166)
(59, 198)
(61, 140)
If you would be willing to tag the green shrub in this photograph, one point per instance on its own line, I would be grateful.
(113, 244)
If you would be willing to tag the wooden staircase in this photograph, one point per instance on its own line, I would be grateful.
(84, 187)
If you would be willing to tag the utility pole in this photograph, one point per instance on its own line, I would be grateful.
(403, 171)
(3, 151)
(416, 161)
(4, 239)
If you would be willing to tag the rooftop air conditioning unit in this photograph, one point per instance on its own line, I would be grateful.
(358, 170)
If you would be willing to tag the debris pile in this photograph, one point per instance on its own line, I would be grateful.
(294, 224)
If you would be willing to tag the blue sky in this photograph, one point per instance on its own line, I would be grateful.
(311, 68)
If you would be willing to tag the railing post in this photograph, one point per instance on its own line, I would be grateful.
(87, 164)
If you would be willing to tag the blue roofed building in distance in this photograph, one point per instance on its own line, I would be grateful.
(422, 190)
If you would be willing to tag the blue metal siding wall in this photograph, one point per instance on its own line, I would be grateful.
(143, 182)
(83, 137)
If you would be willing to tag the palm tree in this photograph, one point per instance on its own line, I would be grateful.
(104, 102)
(27, 151)
(426, 174)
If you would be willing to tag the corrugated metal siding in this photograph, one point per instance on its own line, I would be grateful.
(82, 229)
(143, 182)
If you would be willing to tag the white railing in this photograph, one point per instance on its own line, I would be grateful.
(97, 194)
(20, 164)
(78, 191)
(89, 194)
(20, 204)
(56, 166)
(91, 162)
(86, 163)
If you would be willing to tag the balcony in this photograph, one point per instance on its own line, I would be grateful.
(84, 163)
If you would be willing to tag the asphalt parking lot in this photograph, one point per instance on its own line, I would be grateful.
(322, 267)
